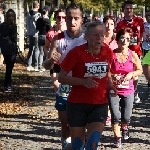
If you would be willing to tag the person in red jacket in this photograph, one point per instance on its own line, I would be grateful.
(136, 23)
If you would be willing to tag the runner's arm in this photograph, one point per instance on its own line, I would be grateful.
(86, 82)
(49, 62)
(112, 89)
(141, 37)
(47, 47)
(138, 69)
(63, 78)
(142, 30)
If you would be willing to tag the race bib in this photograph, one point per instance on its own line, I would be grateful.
(134, 41)
(121, 83)
(96, 69)
(64, 90)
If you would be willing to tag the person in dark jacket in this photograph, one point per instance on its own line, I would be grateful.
(8, 44)
(43, 26)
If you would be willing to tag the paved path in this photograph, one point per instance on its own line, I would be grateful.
(30, 122)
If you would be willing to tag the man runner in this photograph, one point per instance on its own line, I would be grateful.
(60, 46)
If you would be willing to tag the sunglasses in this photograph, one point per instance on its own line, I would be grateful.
(61, 17)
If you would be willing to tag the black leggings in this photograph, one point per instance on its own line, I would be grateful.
(9, 61)
(121, 108)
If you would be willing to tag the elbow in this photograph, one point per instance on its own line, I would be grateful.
(141, 71)
(60, 78)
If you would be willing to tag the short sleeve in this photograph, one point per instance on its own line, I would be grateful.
(142, 30)
(70, 60)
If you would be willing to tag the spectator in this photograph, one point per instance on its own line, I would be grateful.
(42, 26)
(31, 19)
(8, 44)
(2, 4)
(48, 8)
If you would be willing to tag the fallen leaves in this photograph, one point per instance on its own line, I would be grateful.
(10, 108)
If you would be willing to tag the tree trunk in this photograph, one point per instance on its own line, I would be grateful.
(42, 3)
(21, 23)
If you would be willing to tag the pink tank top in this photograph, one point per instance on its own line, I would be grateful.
(123, 88)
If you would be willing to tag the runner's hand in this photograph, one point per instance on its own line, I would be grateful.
(56, 56)
(129, 76)
(115, 77)
(89, 83)
(112, 89)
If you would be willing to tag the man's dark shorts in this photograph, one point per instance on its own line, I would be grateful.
(61, 102)
(79, 115)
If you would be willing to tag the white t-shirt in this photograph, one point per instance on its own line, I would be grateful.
(65, 44)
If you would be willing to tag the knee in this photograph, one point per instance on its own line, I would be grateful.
(77, 144)
(93, 140)
(126, 120)
(115, 118)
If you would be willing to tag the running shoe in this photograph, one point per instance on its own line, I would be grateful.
(136, 97)
(125, 133)
(117, 142)
(7, 89)
(65, 143)
(108, 121)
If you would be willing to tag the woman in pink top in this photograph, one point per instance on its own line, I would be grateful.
(122, 77)
(109, 38)
(59, 16)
